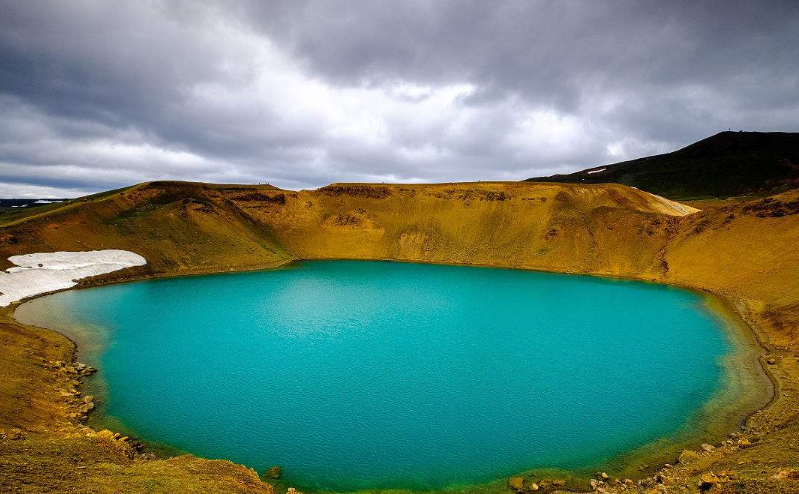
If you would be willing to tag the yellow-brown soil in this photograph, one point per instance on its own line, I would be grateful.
(745, 251)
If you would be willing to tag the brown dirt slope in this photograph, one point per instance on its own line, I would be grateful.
(744, 250)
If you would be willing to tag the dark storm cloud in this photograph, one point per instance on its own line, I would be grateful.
(98, 94)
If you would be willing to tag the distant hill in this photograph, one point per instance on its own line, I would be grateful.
(26, 203)
(11, 208)
(724, 165)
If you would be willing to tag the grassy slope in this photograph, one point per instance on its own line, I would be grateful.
(745, 250)
(725, 165)
(178, 227)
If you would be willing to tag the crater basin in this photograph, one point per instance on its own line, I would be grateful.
(364, 375)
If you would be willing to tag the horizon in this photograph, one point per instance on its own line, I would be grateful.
(53, 198)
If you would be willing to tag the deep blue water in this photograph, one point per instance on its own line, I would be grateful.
(372, 374)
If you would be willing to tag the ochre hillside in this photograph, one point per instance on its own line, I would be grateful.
(743, 250)
(187, 227)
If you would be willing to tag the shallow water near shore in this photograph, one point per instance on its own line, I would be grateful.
(364, 375)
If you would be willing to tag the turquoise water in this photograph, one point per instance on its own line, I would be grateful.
(354, 375)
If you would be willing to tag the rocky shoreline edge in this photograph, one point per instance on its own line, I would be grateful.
(642, 477)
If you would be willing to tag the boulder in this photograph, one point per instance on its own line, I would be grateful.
(516, 483)
(708, 481)
(105, 434)
(273, 473)
(12, 434)
(788, 474)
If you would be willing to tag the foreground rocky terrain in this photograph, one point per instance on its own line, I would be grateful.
(744, 250)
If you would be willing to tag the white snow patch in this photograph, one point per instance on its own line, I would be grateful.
(596, 171)
(675, 208)
(47, 272)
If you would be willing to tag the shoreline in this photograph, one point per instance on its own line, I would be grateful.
(734, 322)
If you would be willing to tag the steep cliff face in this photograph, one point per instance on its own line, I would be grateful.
(538, 226)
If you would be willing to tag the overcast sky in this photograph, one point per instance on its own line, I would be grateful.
(101, 94)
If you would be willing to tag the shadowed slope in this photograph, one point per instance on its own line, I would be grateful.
(724, 165)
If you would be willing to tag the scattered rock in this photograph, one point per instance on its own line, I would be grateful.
(273, 473)
(516, 483)
(708, 480)
(771, 361)
(105, 434)
(787, 474)
(744, 443)
(88, 399)
(534, 487)
(708, 448)
(604, 476)
(12, 434)
(688, 456)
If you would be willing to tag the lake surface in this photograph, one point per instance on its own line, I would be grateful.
(354, 375)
